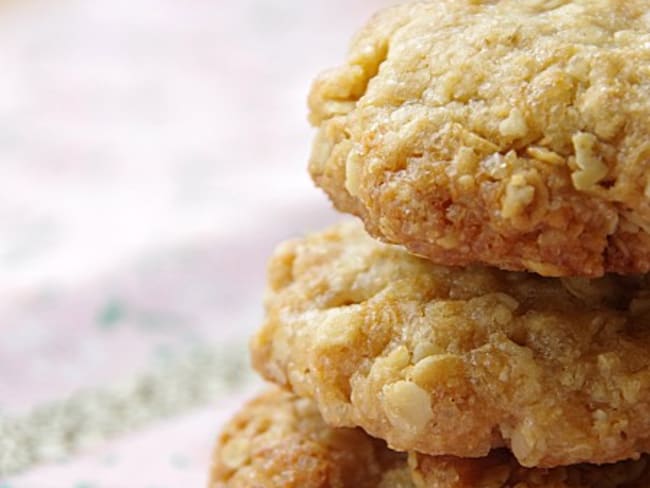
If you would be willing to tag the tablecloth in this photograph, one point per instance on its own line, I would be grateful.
(152, 153)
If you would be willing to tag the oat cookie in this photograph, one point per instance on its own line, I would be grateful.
(500, 470)
(456, 361)
(512, 133)
(279, 441)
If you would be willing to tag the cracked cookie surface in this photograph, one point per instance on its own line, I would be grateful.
(280, 441)
(457, 361)
(509, 133)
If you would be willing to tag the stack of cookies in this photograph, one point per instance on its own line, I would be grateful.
(497, 334)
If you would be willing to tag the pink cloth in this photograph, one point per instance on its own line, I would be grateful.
(153, 153)
(173, 453)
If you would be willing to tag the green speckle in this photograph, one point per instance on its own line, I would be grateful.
(112, 313)
(163, 353)
(83, 484)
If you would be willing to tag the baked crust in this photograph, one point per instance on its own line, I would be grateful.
(279, 441)
(457, 361)
(500, 470)
(512, 133)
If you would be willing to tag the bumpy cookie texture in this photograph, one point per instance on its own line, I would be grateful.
(456, 361)
(279, 441)
(509, 133)
(501, 470)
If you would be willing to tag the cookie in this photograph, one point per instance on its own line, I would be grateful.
(500, 470)
(280, 441)
(458, 361)
(511, 133)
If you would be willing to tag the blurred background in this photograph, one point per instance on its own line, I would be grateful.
(152, 153)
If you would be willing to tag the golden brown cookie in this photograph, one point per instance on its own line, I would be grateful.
(457, 361)
(500, 470)
(280, 441)
(512, 133)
